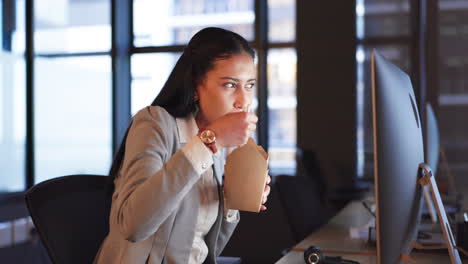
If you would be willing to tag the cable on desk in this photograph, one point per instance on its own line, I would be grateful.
(313, 255)
(339, 252)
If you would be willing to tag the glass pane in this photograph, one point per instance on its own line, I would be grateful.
(385, 18)
(282, 110)
(453, 39)
(174, 22)
(452, 108)
(12, 98)
(72, 26)
(149, 73)
(282, 20)
(396, 54)
(72, 116)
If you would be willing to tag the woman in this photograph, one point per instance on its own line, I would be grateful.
(168, 204)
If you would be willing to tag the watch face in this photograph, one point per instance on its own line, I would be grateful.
(208, 136)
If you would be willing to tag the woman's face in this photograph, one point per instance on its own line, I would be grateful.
(228, 87)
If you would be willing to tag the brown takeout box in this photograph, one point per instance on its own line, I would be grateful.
(245, 175)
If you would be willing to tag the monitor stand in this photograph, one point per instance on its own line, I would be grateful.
(429, 204)
(427, 179)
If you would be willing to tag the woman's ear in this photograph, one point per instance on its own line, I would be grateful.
(195, 97)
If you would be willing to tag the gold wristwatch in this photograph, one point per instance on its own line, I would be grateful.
(208, 137)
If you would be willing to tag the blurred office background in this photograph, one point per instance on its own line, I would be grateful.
(73, 72)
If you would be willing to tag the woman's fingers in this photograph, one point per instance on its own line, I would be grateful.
(266, 192)
(251, 117)
(234, 129)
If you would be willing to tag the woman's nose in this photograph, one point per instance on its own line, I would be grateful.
(241, 101)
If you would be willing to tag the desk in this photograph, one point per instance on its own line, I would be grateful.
(334, 236)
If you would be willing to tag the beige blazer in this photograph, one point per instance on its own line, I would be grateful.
(155, 203)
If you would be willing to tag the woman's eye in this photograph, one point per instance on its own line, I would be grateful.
(250, 85)
(229, 85)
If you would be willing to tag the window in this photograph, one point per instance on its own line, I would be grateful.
(72, 84)
(452, 106)
(72, 90)
(164, 23)
(282, 110)
(12, 97)
(384, 18)
(72, 26)
(282, 20)
(73, 116)
(281, 72)
(149, 73)
(385, 26)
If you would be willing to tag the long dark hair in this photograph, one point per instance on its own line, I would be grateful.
(177, 94)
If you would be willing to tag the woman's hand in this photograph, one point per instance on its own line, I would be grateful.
(233, 129)
(266, 192)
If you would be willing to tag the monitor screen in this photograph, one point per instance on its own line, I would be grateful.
(432, 142)
(398, 151)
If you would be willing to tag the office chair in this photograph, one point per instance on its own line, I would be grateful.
(71, 215)
(301, 200)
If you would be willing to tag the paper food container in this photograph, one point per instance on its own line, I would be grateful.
(245, 175)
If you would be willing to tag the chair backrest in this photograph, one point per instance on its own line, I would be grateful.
(12, 206)
(301, 200)
(71, 215)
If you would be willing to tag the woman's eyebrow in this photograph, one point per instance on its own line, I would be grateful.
(230, 78)
(236, 80)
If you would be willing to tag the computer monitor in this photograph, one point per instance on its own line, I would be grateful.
(433, 154)
(399, 164)
(398, 151)
(432, 148)
(432, 139)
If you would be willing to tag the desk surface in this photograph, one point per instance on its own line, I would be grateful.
(334, 236)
